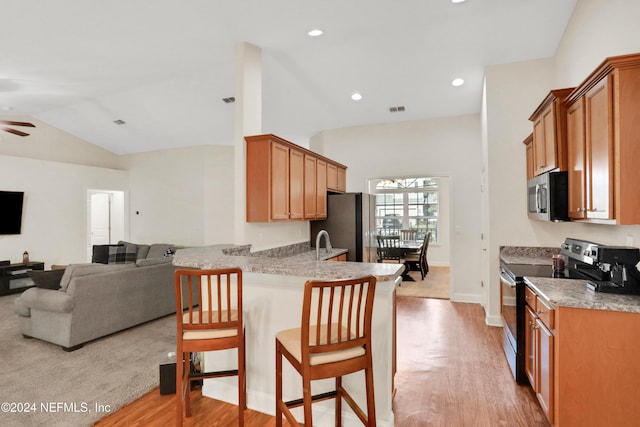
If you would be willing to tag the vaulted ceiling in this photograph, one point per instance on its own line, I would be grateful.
(164, 66)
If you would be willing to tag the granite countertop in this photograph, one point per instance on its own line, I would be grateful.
(527, 255)
(574, 293)
(302, 263)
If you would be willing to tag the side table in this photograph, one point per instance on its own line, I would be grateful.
(14, 278)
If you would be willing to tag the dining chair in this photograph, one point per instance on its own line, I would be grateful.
(421, 258)
(389, 249)
(334, 340)
(406, 234)
(214, 324)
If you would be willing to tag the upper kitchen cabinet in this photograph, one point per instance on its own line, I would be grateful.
(604, 143)
(336, 178)
(285, 182)
(549, 133)
(530, 160)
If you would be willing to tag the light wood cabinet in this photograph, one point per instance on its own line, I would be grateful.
(576, 151)
(336, 178)
(339, 258)
(296, 184)
(596, 368)
(315, 188)
(549, 133)
(530, 157)
(539, 350)
(285, 182)
(321, 189)
(279, 188)
(604, 143)
(310, 187)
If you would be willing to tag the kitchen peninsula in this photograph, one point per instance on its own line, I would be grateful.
(273, 284)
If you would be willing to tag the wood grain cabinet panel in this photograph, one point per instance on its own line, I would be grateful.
(539, 350)
(604, 143)
(321, 189)
(549, 132)
(285, 182)
(576, 152)
(530, 157)
(336, 178)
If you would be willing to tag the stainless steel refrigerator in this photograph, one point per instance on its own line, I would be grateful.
(351, 225)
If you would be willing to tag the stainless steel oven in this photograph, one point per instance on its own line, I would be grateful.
(513, 315)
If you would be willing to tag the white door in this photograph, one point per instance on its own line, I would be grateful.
(100, 219)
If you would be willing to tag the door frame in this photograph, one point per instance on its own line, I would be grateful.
(119, 221)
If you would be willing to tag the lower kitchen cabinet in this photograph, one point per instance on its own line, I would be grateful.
(583, 363)
(539, 350)
(340, 258)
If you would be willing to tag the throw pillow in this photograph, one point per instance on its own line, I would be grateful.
(101, 254)
(122, 254)
(49, 279)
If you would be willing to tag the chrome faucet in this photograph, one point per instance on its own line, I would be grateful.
(328, 243)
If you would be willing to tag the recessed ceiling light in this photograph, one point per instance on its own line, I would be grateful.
(356, 96)
(315, 32)
(457, 1)
(457, 82)
(119, 122)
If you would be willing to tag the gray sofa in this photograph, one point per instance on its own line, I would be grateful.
(99, 299)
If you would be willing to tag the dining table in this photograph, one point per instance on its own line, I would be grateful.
(407, 247)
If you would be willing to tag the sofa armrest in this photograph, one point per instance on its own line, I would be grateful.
(47, 299)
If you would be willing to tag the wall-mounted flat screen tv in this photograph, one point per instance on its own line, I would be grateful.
(11, 212)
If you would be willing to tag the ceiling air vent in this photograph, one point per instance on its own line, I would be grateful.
(229, 100)
(396, 109)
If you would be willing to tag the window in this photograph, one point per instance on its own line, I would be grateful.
(406, 204)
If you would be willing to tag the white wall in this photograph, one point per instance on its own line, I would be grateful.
(438, 147)
(182, 196)
(597, 29)
(54, 222)
(48, 143)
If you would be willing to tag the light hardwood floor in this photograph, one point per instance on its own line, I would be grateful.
(451, 372)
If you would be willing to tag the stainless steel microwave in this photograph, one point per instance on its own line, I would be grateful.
(548, 197)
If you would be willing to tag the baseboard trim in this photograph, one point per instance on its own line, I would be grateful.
(493, 321)
(472, 298)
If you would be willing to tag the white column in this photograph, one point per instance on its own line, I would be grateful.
(248, 121)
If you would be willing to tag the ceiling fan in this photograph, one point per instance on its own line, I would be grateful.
(5, 123)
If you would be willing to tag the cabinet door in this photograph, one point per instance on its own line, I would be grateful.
(599, 147)
(550, 138)
(538, 146)
(332, 177)
(530, 158)
(321, 189)
(342, 179)
(296, 184)
(576, 157)
(544, 368)
(530, 350)
(310, 187)
(279, 181)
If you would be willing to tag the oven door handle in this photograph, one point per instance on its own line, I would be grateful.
(506, 279)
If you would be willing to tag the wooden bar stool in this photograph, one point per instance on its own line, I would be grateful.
(333, 340)
(216, 326)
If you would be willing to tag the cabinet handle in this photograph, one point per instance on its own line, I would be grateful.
(579, 209)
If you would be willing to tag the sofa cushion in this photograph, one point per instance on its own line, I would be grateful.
(49, 279)
(101, 254)
(122, 254)
(142, 249)
(77, 270)
(160, 250)
(152, 261)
